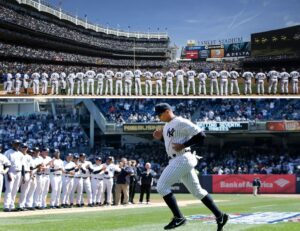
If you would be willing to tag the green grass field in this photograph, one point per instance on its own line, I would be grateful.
(143, 217)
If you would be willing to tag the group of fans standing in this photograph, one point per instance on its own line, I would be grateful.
(86, 83)
(33, 172)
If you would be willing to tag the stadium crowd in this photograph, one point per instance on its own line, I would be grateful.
(60, 132)
(49, 27)
(218, 110)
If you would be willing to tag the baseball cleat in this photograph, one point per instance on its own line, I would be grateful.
(175, 222)
(221, 221)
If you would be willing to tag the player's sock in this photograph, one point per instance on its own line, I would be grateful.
(210, 204)
(172, 203)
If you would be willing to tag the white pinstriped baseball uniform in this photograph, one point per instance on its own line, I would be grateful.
(181, 166)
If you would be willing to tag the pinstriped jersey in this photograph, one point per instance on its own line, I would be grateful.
(295, 76)
(178, 131)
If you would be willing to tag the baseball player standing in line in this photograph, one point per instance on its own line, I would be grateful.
(55, 180)
(70, 80)
(128, 75)
(25, 183)
(86, 170)
(158, 83)
(213, 75)
(9, 83)
(137, 82)
(36, 165)
(191, 81)
(284, 81)
(67, 180)
(14, 175)
(36, 83)
(180, 73)
(100, 79)
(54, 83)
(178, 135)
(26, 81)
(119, 82)
(47, 161)
(109, 82)
(4, 168)
(295, 81)
(90, 75)
(44, 81)
(80, 83)
(260, 80)
(169, 82)
(234, 75)
(63, 83)
(202, 82)
(37, 201)
(97, 181)
(148, 76)
(248, 82)
(109, 170)
(77, 186)
(18, 83)
(224, 75)
(273, 76)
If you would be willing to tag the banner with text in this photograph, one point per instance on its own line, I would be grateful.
(243, 183)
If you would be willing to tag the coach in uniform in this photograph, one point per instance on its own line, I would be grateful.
(179, 134)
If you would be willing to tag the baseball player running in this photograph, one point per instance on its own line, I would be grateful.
(191, 81)
(179, 135)
(137, 82)
(295, 81)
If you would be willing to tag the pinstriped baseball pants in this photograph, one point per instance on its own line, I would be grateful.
(181, 169)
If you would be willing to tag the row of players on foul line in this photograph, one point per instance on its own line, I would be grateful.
(65, 81)
(33, 172)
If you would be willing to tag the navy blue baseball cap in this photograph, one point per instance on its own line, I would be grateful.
(99, 158)
(16, 141)
(70, 154)
(161, 108)
(76, 156)
(82, 154)
(24, 145)
(45, 150)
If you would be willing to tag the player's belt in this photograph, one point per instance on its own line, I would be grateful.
(84, 178)
(97, 178)
(180, 153)
(56, 174)
(69, 176)
(107, 178)
(78, 177)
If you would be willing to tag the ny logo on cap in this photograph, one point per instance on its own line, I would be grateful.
(170, 132)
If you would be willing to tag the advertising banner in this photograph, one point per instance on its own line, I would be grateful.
(204, 54)
(224, 126)
(217, 53)
(275, 126)
(292, 125)
(196, 48)
(243, 183)
(192, 54)
(237, 49)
